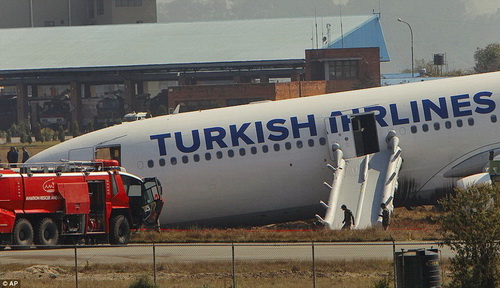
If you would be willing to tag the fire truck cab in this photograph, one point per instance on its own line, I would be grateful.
(96, 202)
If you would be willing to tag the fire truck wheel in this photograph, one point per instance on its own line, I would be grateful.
(120, 230)
(22, 237)
(46, 234)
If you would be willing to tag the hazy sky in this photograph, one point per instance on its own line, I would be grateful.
(454, 27)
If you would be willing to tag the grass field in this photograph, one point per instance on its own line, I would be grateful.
(261, 274)
(32, 148)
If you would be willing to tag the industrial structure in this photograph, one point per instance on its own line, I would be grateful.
(102, 72)
(29, 13)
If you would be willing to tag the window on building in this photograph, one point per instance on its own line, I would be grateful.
(196, 105)
(343, 69)
(128, 3)
(100, 7)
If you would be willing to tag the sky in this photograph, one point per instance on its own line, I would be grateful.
(453, 27)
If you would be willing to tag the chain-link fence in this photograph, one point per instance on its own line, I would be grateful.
(213, 265)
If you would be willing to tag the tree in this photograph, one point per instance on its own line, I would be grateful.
(60, 134)
(488, 58)
(472, 228)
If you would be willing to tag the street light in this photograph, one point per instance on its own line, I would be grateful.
(411, 34)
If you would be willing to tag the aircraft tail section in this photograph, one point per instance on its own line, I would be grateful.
(362, 184)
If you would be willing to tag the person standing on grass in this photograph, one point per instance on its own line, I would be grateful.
(26, 155)
(12, 156)
(348, 218)
(385, 216)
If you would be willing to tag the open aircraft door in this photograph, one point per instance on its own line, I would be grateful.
(361, 137)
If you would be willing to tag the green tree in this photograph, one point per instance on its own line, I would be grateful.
(471, 226)
(38, 133)
(60, 134)
(8, 137)
(75, 129)
(488, 58)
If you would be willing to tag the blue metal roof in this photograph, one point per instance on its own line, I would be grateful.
(368, 34)
(178, 43)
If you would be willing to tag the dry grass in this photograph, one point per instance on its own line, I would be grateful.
(32, 148)
(214, 274)
(418, 224)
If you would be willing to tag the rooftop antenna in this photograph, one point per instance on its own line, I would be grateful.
(316, 23)
(379, 13)
(341, 27)
(312, 36)
(328, 33)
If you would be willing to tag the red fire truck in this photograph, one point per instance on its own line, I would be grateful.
(96, 202)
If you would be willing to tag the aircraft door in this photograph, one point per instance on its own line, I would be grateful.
(365, 134)
(361, 137)
(109, 152)
(152, 200)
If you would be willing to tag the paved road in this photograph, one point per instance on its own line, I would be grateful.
(212, 252)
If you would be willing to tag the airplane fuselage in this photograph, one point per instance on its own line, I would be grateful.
(266, 162)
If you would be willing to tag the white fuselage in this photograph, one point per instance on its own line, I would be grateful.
(266, 162)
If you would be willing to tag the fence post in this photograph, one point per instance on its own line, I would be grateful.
(154, 263)
(314, 265)
(234, 266)
(76, 267)
(394, 259)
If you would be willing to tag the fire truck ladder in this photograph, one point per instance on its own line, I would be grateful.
(363, 183)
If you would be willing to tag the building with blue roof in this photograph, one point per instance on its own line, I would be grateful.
(149, 58)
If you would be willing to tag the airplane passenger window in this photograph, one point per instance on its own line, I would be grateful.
(242, 152)
(208, 156)
(470, 121)
(265, 149)
(425, 127)
(276, 147)
(230, 153)
(173, 161)
(310, 142)
(219, 154)
(460, 123)
(436, 126)
(413, 129)
(185, 159)
(253, 150)
(151, 163)
(300, 144)
(162, 162)
(288, 145)
(493, 118)
(447, 124)
(196, 158)
(322, 141)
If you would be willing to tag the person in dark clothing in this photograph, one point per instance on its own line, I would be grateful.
(385, 216)
(26, 155)
(12, 156)
(348, 218)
